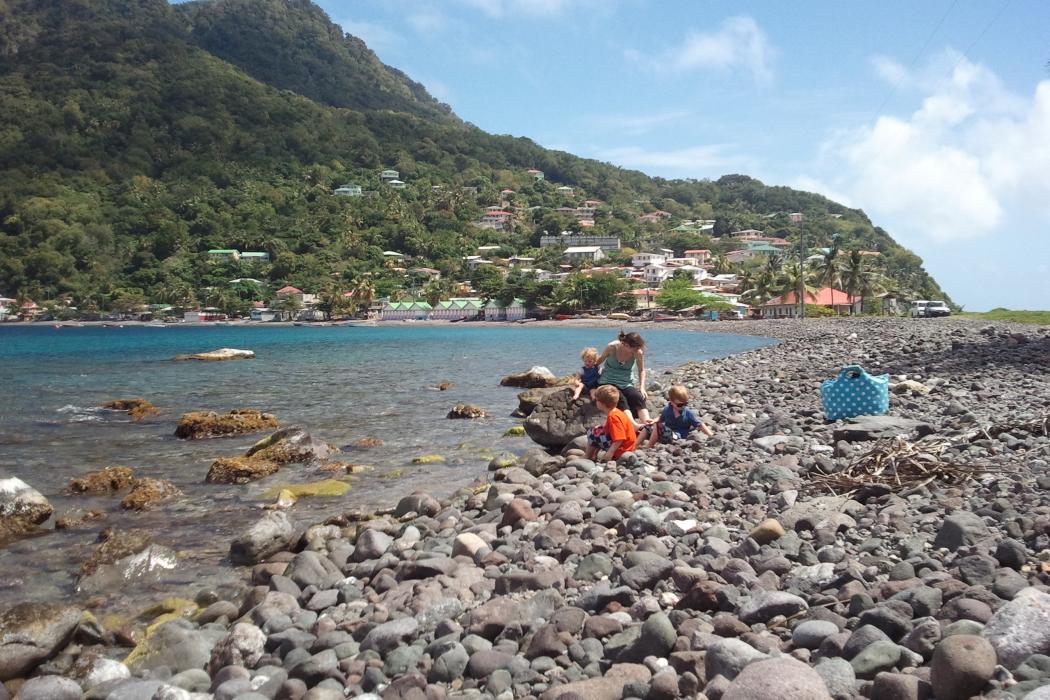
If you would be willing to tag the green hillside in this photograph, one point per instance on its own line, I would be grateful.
(136, 136)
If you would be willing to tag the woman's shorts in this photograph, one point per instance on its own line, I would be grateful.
(631, 398)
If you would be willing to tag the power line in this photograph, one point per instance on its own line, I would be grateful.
(966, 53)
(915, 59)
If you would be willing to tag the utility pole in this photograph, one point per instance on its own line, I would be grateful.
(801, 270)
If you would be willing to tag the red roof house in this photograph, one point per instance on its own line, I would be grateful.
(786, 306)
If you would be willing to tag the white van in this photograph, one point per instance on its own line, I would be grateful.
(929, 309)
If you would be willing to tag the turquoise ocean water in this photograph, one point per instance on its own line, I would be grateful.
(341, 383)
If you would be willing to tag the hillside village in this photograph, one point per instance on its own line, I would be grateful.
(547, 249)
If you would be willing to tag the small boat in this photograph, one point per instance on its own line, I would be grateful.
(362, 322)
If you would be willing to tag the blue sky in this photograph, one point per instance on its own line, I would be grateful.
(933, 117)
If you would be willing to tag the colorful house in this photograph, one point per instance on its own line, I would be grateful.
(494, 311)
(786, 306)
(537, 174)
(224, 254)
(389, 175)
(465, 308)
(406, 311)
(255, 256)
(348, 191)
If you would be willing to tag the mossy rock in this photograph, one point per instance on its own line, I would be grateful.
(137, 409)
(428, 459)
(205, 424)
(325, 487)
(393, 474)
(167, 610)
(367, 442)
(516, 431)
(105, 480)
(359, 468)
(239, 470)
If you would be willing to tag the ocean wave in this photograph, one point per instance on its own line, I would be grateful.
(84, 414)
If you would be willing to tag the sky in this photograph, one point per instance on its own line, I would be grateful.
(933, 117)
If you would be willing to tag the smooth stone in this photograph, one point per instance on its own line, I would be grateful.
(50, 688)
(776, 679)
(962, 666)
(1020, 628)
(811, 633)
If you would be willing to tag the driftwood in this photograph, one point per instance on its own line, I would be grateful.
(896, 465)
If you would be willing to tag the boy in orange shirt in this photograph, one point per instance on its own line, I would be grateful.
(617, 435)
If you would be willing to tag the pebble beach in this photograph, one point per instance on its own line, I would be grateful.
(901, 557)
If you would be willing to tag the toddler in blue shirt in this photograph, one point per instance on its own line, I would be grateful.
(676, 420)
(587, 378)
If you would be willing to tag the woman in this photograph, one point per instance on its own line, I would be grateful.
(620, 357)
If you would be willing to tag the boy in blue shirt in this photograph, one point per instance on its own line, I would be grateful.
(676, 420)
(587, 378)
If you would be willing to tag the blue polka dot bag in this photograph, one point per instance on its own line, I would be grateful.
(855, 393)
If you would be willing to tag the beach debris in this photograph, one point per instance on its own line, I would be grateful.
(444, 386)
(1036, 426)
(533, 378)
(910, 386)
(239, 470)
(292, 445)
(285, 499)
(148, 492)
(137, 409)
(897, 464)
(466, 410)
(219, 355)
(196, 425)
(105, 480)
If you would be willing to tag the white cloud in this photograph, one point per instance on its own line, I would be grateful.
(635, 125)
(689, 160)
(811, 184)
(970, 154)
(739, 44)
(427, 20)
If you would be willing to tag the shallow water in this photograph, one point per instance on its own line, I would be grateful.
(342, 383)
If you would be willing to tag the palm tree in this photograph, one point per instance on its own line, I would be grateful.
(720, 264)
(364, 291)
(795, 279)
(854, 273)
(829, 269)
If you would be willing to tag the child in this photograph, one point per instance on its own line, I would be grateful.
(676, 420)
(587, 378)
(617, 435)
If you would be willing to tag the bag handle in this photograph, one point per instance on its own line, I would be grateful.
(852, 372)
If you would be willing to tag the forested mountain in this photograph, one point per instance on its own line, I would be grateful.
(135, 136)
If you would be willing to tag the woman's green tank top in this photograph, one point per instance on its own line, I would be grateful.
(619, 374)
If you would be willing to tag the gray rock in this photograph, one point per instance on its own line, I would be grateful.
(656, 638)
(371, 544)
(646, 574)
(839, 678)
(135, 690)
(316, 668)
(958, 529)
(811, 633)
(309, 568)
(31, 633)
(610, 686)
(390, 634)
(137, 569)
(50, 688)
(177, 645)
(243, 646)
(863, 428)
(728, 657)
(593, 567)
(765, 605)
(450, 666)
(268, 535)
(419, 502)
(1020, 628)
(775, 679)
(878, 656)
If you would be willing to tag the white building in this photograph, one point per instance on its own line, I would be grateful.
(656, 274)
(697, 273)
(576, 253)
(348, 191)
(389, 175)
(644, 259)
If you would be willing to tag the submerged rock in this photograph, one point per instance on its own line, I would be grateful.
(219, 355)
(466, 410)
(105, 480)
(124, 558)
(196, 425)
(239, 470)
(31, 633)
(367, 442)
(292, 445)
(137, 409)
(148, 492)
(324, 487)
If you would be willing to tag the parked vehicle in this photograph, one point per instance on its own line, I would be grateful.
(929, 309)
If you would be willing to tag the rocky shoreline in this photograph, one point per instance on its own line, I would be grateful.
(715, 568)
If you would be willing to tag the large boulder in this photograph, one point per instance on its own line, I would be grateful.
(609, 685)
(31, 633)
(268, 535)
(783, 677)
(22, 508)
(557, 420)
(122, 559)
(863, 428)
(219, 355)
(177, 645)
(529, 399)
(196, 425)
(292, 445)
(1020, 628)
(534, 378)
